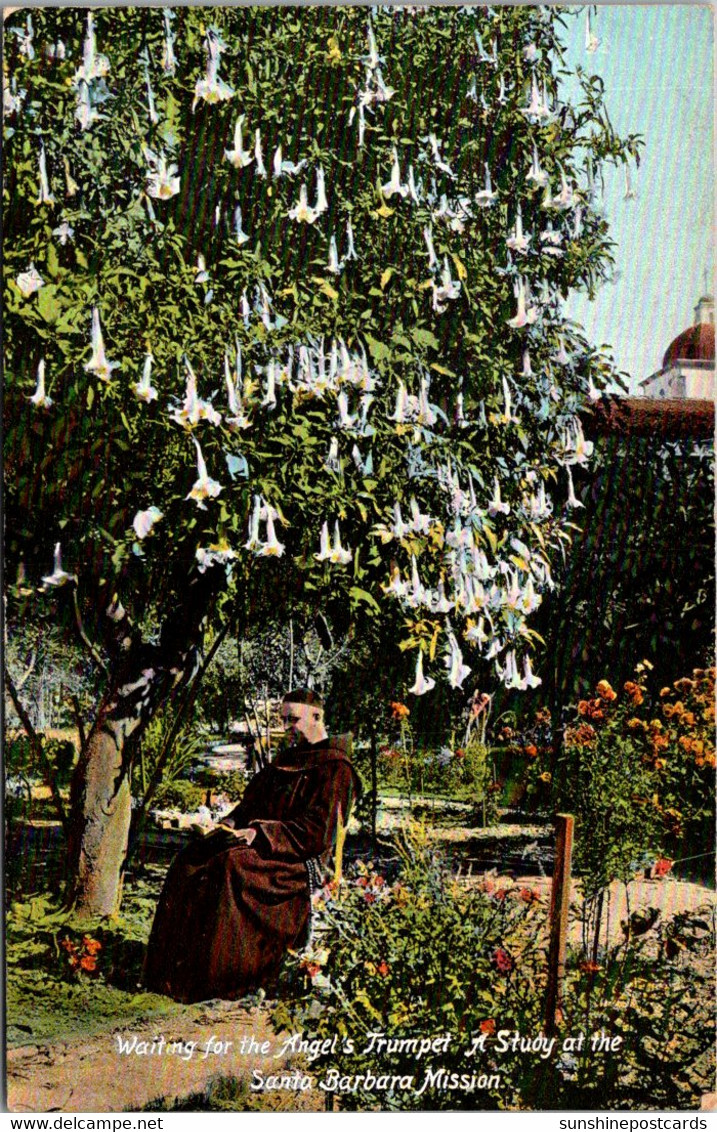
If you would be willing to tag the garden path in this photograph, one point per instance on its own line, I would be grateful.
(93, 1076)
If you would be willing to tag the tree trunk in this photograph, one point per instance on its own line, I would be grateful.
(101, 808)
(142, 678)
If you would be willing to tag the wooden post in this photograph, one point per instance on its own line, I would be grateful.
(559, 906)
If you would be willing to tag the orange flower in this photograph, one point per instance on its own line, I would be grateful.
(662, 866)
(88, 963)
(634, 691)
(91, 946)
(606, 692)
(636, 724)
(68, 946)
(383, 969)
(590, 968)
(487, 1026)
(312, 969)
(399, 711)
(688, 718)
(583, 707)
(531, 751)
(460, 753)
(665, 692)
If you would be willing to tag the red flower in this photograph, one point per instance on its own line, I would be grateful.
(487, 1026)
(88, 963)
(530, 895)
(369, 897)
(378, 881)
(362, 882)
(68, 946)
(383, 968)
(503, 961)
(662, 866)
(312, 969)
(460, 753)
(500, 894)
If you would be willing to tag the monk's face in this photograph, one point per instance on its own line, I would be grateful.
(302, 722)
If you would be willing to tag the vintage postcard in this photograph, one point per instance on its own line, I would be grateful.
(359, 558)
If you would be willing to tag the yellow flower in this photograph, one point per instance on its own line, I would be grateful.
(546, 776)
(605, 691)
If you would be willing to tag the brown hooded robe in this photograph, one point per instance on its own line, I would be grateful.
(228, 912)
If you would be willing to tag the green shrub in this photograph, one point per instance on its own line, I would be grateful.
(179, 795)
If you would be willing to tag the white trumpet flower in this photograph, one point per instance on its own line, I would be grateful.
(321, 202)
(537, 175)
(58, 577)
(496, 505)
(253, 541)
(169, 62)
(340, 555)
(272, 547)
(421, 683)
(218, 553)
(64, 232)
(573, 500)
(350, 249)
(517, 242)
(162, 179)
(324, 545)
(303, 211)
(40, 398)
(29, 281)
(437, 158)
(144, 521)
(485, 197)
(98, 363)
(525, 316)
(94, 66)
(529, 679)
(288, 168)
(211, 89)
(457, 670)
(432, 257)
(394, 185)
(45, 196)
(143, 388)
(239, 234)
(204, 487)
(239, 157)
(333, 265)
(591, 40)
(259, 155)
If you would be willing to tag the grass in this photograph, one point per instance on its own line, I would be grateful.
(46, 1000)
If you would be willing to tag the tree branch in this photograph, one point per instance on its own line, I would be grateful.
(38, 751)
(182, 710)
(83, 635)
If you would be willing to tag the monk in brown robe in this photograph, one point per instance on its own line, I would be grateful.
(237, 899)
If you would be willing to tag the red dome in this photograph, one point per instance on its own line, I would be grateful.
(697, 343)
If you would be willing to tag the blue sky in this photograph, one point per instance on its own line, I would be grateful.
(656, 62)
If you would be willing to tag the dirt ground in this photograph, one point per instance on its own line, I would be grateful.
(93, 1076)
